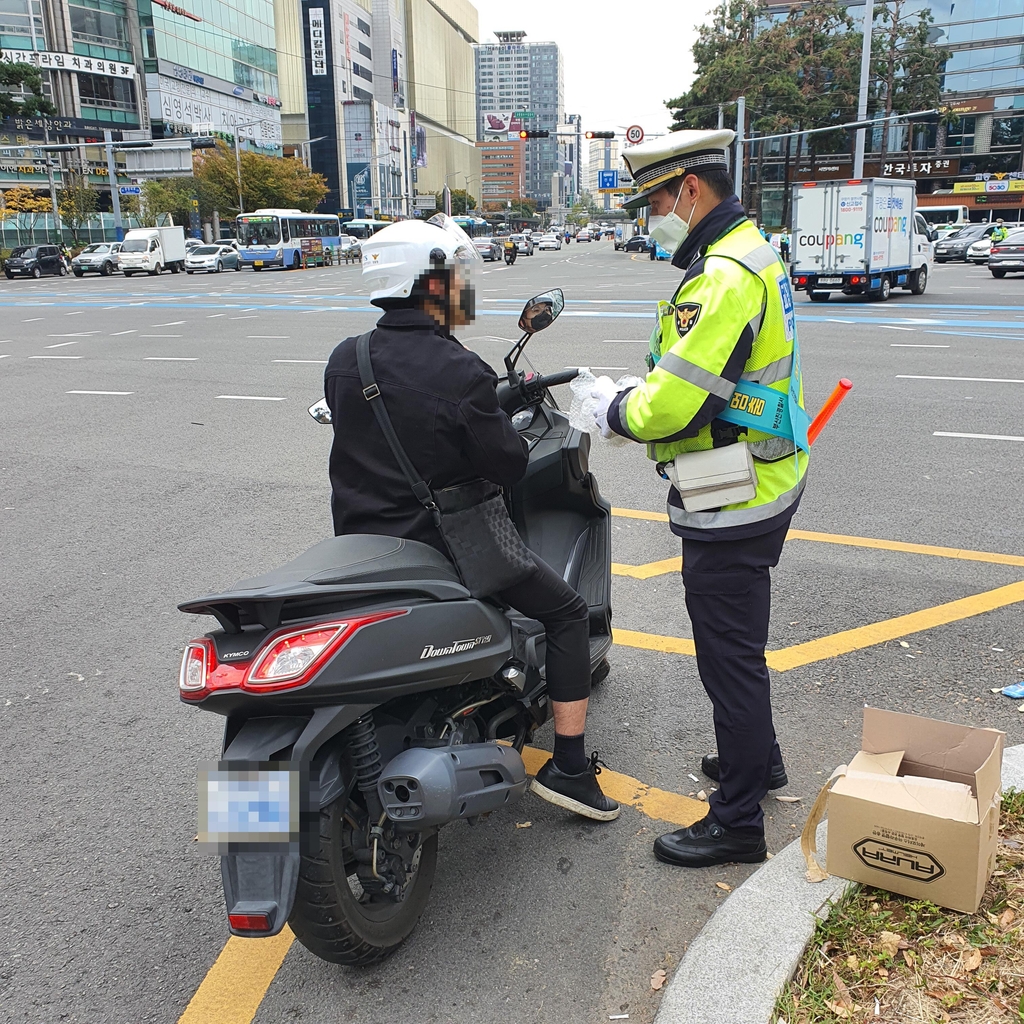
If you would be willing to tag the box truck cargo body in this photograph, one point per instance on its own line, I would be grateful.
(859, 238)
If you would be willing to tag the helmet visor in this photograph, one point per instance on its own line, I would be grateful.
(465, 252)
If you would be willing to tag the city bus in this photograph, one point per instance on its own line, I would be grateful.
(273, 238)
(363, 228)
(945, 219)
(475, 227)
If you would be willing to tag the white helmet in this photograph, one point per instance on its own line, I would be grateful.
(396, 257)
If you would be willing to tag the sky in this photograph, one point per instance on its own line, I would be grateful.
(620, 65)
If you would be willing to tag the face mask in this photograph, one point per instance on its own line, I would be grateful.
(670, 231)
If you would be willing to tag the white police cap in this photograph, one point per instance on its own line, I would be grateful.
(655, 163)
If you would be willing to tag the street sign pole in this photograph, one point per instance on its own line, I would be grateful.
(115, 202)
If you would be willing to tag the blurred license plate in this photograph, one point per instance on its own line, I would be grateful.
(257, 263)
(830, 280)
(248, 803)
(1008, 263)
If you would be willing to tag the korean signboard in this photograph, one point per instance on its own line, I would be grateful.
(48, 60)
(317, 42)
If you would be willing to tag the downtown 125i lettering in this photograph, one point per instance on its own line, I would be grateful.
(369, 699)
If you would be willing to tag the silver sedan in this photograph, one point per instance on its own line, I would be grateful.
(212, 258)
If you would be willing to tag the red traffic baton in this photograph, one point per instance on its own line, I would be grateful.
(842, 389)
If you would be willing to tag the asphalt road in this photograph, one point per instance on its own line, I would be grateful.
(155, 445)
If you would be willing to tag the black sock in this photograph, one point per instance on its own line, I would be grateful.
(570, 754)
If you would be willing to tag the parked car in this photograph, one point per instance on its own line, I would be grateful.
(549, 242)
(488, 248)
(1007, 256)
(212, 258)
(233, 242)
(524, 244)
(977, 252)
(953, 248)
(34, 261)
(100, 256)
(194, 243)
(583, 235)
(638, 243)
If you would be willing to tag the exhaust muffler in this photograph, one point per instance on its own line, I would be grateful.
(425, 787)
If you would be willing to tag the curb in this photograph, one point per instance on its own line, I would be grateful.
(735, 968)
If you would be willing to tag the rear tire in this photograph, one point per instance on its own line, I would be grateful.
(919, 281)
(335, 924)
(998, 273)
(601, 672)
(818, 296)
(884, 289)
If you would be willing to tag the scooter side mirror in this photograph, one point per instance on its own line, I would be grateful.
(541, 311)
(321, 412)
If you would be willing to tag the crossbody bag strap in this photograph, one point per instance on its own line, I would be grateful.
(372, 394)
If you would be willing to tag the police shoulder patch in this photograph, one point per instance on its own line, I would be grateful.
(687, 315)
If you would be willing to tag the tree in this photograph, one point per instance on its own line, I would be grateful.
(906, 66)
(76, 201)
(22, 199)
(167, 195)
(514, 208)
(462, 202)
(30, 101)
(267, 181)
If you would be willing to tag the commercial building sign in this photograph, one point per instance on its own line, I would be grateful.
(317, 42)
(502, 122)
(965, 107)
(48, 60)
(1002, 184)
(840, 169)
(175, 9)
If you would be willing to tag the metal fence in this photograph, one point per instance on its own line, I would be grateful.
(36, 228)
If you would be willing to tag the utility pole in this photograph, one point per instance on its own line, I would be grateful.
(53, 188)
(115, 201)
(721, 117)
(741, 119)
(865, 76)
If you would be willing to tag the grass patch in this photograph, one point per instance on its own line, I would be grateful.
(889, 959)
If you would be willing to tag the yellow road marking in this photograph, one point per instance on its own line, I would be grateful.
(235, 985)
(653, 642)
(648, 569)
(636, 513)
(914, 549)
(891, 629)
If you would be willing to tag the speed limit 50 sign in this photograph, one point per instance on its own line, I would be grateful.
(634, 134)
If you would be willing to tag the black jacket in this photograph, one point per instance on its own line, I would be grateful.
(441, 400)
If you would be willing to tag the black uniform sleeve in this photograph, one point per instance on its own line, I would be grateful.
(492, 445)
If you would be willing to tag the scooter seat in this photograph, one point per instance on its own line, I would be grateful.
(359, 558)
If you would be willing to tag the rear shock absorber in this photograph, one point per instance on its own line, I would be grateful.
(365, 752)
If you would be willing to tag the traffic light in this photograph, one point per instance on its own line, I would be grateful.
(204, 142)
(600, 135)
(534, 135)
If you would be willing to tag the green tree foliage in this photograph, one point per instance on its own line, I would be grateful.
(22, 199)
(30, 101)
(462, 202)
(167, 195)
(76, 201)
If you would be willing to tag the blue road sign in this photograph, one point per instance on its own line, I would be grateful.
(130, 190)
(607, 179)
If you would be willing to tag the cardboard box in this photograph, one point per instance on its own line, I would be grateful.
(917, 811)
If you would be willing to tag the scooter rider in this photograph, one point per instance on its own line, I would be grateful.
(724, 345)
(444, 408)
(511, 251)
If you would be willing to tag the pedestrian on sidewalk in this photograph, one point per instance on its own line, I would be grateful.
(729, 331)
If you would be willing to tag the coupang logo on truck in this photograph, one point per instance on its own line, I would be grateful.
(827, 241)
(888, 218)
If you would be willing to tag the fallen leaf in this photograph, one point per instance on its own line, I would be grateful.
(658, 978)
(524, 824)
(702, 795)
(839, 1010)
(842, 992)
(908, 957)
(882, 972)
(903, 643)
(852, 962)
(972, 960)
(889, 943)
(723, 885)
(990, 951)
(789, 799)
(1006, 919)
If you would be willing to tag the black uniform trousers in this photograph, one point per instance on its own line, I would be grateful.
(728, 598)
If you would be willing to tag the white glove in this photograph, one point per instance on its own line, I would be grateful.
(604, 390)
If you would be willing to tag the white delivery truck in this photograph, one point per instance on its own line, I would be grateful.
(151, 250)
(859, 238)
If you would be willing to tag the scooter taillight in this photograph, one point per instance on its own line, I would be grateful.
(196, 663)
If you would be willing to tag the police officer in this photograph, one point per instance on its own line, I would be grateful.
(999, 232)
(728, 332)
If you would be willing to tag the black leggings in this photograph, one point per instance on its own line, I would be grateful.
(546, 597)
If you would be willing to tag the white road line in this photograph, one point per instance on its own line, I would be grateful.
(159, 335)
(251, 398)
(62, 344)
(173, 323)
(269, 337)
(99, 392)
(833, 320)
(33, 319)
(6, 355)
(212, 315)
(900, 344)
(55, 357)
(626, 341)
(75, 334)
(319, 362)
(973, 380)
(171, 359)
(892, 327)
(252, 317)
(117, 333)
(980, 437)
(75, 313)
(248, 309)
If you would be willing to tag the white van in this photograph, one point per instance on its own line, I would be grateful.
(150, 250)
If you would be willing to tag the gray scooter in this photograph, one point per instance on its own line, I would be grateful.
(368, 699)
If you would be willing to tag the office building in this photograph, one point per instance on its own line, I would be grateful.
(501, 173)
(520, 85)
(983, 82)
(603, 156)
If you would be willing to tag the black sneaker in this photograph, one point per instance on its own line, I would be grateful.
(709, 766)
(706, 843)
(578, 793)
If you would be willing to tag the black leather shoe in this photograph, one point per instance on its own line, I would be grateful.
(709, 766)
(578, 793)
(706, 843)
